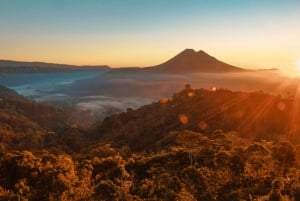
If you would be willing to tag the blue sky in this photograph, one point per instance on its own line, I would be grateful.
(146, 32)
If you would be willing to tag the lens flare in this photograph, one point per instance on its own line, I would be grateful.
(191, 94)
(183, 119)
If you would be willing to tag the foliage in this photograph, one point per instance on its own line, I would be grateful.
(220, 150)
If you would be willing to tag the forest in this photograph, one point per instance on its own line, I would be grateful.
(199, 144)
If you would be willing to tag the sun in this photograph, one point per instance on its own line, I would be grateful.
(298, 65)
(296, 70)
(293, 71)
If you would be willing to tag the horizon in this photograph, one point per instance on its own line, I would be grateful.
(82, 65)
(140, 34)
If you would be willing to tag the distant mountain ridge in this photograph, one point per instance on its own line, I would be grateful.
(9, 66)
(190, 61)
(187, 61)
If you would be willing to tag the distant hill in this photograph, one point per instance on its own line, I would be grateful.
(6, 93)
(7, 66)
(253, 115)
(24, 121)
(190, 61)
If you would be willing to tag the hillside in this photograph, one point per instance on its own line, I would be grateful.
(253, 115)
(24, 122)
(190, 61)
(9, 94)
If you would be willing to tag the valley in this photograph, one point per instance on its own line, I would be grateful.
(104, 91)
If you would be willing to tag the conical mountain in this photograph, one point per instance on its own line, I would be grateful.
(189, 61)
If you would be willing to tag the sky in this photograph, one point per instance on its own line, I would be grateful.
(122, 33)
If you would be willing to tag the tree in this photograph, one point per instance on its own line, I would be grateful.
(284, 155)
(275, 194)
(106, 190)
(237, 164)
(256, 156)
(296, 192)
(196, 181)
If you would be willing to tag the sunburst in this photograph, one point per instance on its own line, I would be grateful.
(298, 66)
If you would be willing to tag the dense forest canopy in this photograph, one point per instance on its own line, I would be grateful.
(254, 115)
(196, 145)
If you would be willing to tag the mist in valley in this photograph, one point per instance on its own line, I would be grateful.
(105, 92)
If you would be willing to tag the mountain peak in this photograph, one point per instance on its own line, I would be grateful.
(190, 54)
(201, 52)
(188, 51)
(192, 51)
(190, 61)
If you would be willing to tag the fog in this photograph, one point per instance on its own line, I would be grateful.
(106, 92)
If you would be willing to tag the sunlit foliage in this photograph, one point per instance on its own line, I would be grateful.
(198, 145)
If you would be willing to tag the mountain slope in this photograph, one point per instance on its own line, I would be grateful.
(23, 122)
(252, 115)
(9, 94)
(189, 61)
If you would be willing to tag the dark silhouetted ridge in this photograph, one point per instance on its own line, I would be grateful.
(8, 66)
(200, 110)
(189, 61)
